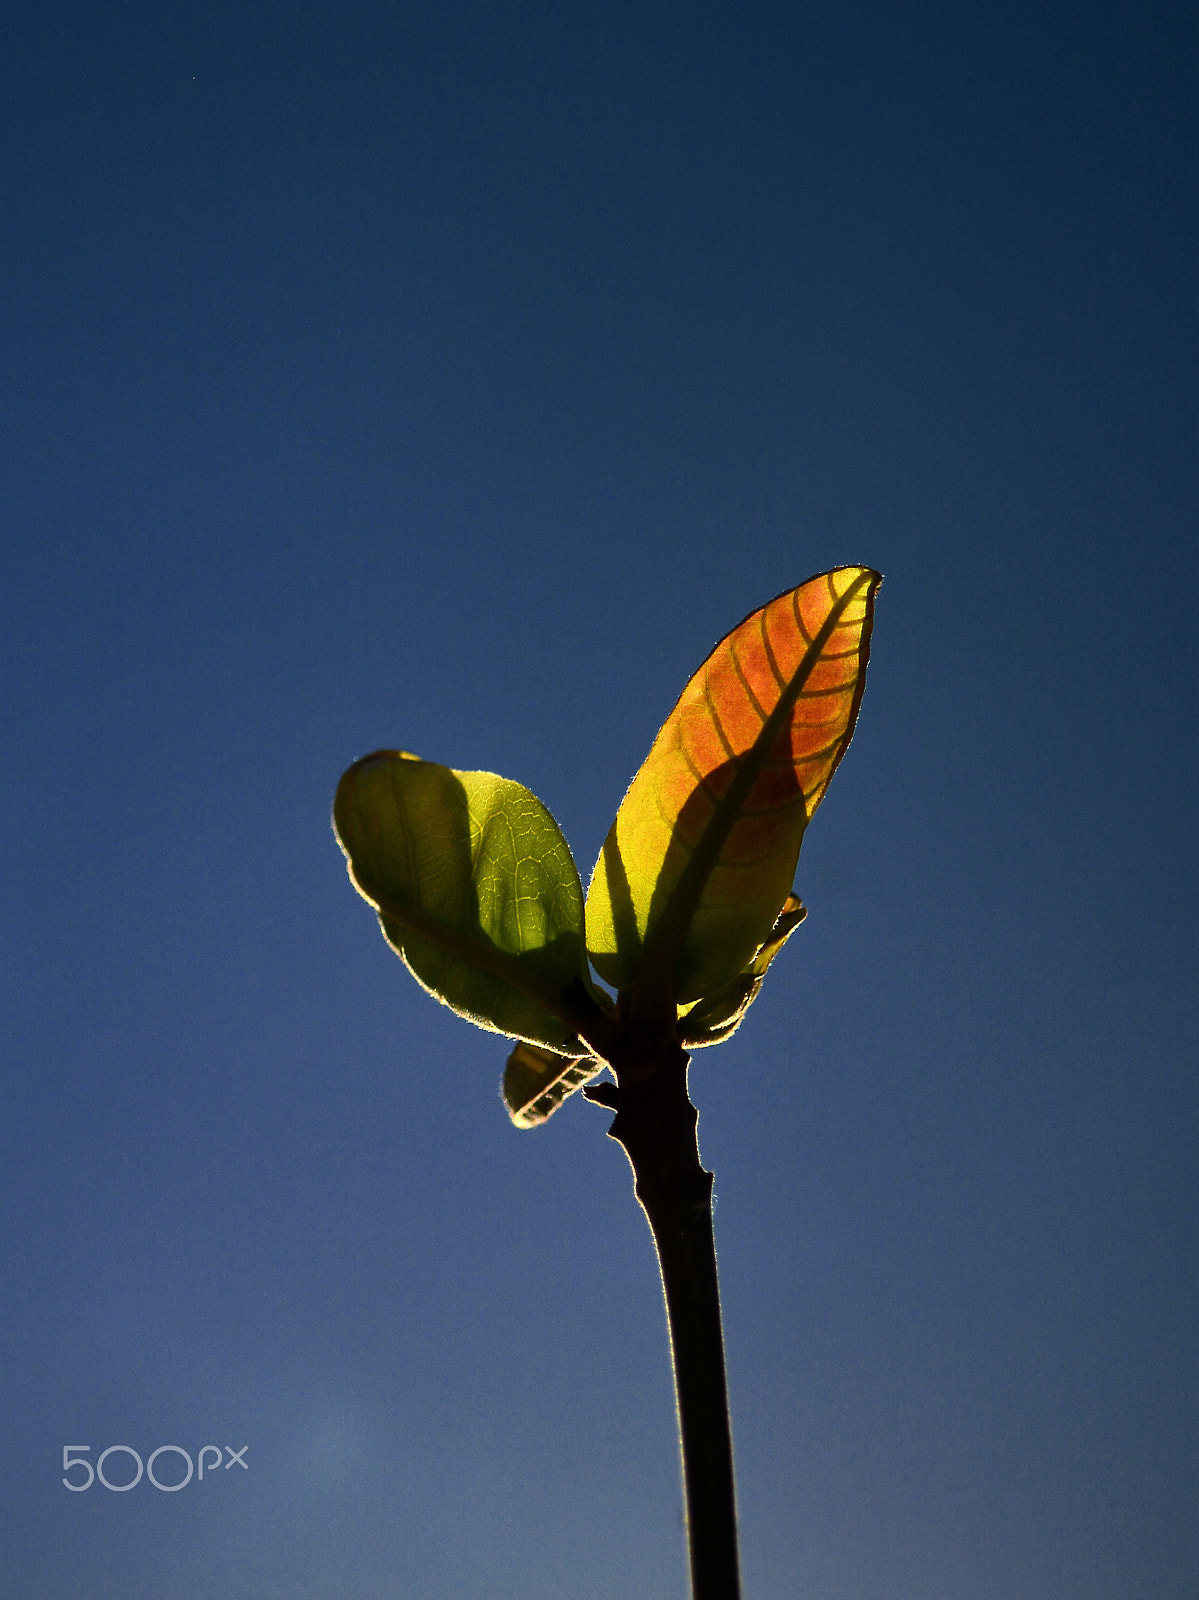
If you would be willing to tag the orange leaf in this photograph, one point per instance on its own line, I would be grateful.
(701, 856)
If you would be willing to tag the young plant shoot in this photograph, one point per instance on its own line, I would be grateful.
(689, 903)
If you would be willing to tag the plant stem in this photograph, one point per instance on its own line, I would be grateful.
(656, 1124)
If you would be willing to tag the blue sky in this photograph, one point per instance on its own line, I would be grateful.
(452, 377)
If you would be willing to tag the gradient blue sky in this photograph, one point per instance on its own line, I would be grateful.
(451, 376)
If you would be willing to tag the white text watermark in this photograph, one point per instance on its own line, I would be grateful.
(174, 1461)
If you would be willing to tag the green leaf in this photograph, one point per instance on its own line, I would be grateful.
(476, 890)
(537, 1081)
(702, 854)
(712, 1019)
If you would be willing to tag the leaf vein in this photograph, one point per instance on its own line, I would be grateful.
(747, 686)
(770, 656)
(729, 749)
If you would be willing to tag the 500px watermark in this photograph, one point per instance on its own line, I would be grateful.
(210, 1458)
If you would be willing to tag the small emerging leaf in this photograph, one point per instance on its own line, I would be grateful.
(700, 859)
(475, 888)
(537, 1081)
(712, 1019)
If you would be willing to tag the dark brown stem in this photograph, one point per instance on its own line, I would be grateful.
(656, 1124)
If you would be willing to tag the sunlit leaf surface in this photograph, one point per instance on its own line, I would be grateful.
(475, 888)
(700, 859)
(537, 1081)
